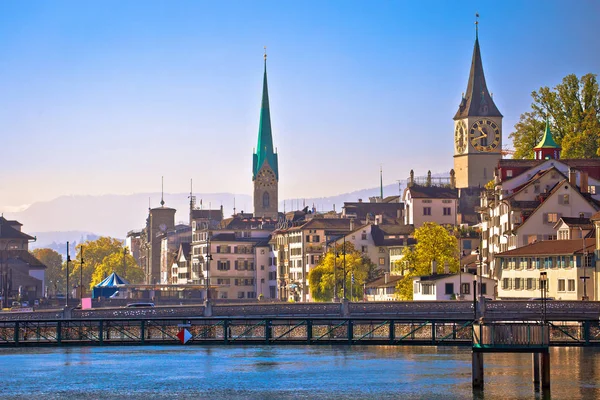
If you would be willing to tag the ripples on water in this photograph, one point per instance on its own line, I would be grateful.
(286, 372)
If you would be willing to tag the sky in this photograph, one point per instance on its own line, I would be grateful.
(105, 97)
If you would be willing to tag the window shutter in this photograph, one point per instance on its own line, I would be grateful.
(533, 284)
(228, 265)
(235, 265)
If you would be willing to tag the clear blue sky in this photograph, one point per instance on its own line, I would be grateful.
(106, 96)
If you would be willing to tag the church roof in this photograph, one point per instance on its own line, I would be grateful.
(547, 141)
(264, 149)
(477, 100)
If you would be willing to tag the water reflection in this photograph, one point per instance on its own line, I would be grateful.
(376, 372)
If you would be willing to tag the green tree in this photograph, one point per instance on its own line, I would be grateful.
(55, 274)
(434, 243)
(574, 112)
(322, 278)
(124, 266)
(94, 252)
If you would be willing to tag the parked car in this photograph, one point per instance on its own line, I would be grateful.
(25, 304)
(139, 305)
(16, 304)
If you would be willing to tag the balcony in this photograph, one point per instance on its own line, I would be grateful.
(315, 248)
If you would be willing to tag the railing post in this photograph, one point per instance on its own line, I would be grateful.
(143, 331)
(58, 332)
(392, 331)
(309, 331)
(16, 333)
(350, 331)
(267, 331)
(226, 331)
(586, 332)
(432, 332)
(101, 332)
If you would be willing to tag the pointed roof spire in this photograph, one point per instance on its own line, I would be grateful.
(162, 191)
(477, 100)
(547, 141)
(264, 149)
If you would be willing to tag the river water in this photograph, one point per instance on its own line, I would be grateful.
(286, 372)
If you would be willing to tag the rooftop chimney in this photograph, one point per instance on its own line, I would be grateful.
(446, 267)
(434, 267)
(386, 277)
(583, 182)
(572, 176)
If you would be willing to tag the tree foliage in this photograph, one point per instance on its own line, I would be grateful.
(322, 278)
(55, 274)
(124, 265)
(574, 113)
(94, 252)
(434, 243)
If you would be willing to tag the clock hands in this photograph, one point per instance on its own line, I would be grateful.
(483, 134)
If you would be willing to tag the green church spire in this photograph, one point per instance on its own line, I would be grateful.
(264, 149)
(547, 141)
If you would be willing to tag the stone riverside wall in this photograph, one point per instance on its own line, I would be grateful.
(410, 310)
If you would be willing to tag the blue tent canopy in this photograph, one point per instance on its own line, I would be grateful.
(112, 280)
(108, 286)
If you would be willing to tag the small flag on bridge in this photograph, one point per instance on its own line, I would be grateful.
(184, 335)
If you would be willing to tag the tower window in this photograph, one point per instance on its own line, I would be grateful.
(266, 200)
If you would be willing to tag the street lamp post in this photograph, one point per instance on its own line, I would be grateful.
(67, 285)
(81, 273)
(344, 282)
(335, 254)
(544, 290)
(208, 259)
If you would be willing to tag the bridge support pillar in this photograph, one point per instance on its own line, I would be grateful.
(545, 367)
(477, 368)
(535, 367)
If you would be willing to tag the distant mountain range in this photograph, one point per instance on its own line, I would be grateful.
(76, 218)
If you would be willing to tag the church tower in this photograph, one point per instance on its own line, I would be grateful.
(265, 172)
(477, 129)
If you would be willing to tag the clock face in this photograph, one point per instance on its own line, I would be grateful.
(484, 135)
(162, 227)
(267, 178)
(460, 137)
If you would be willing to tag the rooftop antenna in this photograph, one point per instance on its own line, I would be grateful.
(233, 205)
(149, 207)
(162, 191)
(192, 197)
(381, 182)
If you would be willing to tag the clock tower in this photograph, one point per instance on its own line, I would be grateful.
(265, 171)
(477, 129)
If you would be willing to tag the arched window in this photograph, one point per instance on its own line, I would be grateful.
(266, 200)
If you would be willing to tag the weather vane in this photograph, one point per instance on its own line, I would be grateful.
(265, 53)
(476, 23)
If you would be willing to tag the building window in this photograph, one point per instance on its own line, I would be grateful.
(530, 284)
(505, 283)
(449, 288)
(426, 210)
(518, 284)
(547, 262)
(571, 283)
(465, 288)
(427, 288)
(222, 295)
(241, 295)
(382, 249)
(447, 211)
(509, 173)
(266, 201)
(381, 261)
(563, 199)
(363, 236)
(483, 288)
(561, 285)
(364, 249)
(552, 218)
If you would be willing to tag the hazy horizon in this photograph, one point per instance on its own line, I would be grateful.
(105, 97)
